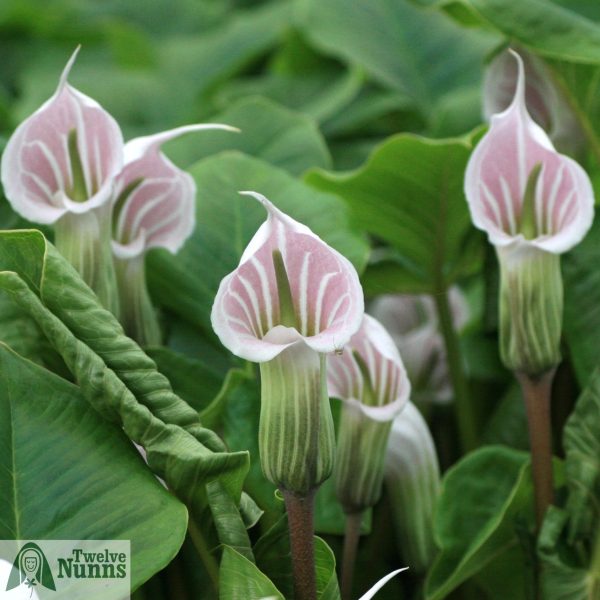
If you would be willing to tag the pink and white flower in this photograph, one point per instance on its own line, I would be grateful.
(290, 302)
(63, 158)
(370, 375)
(155, 201)
(327, 296)
(497, 175)
(371, 381)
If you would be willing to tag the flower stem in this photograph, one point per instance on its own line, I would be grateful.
(464, 411)
(300, 509)
(536, 392)
(351, 537)
(137, 314)
(84, 240)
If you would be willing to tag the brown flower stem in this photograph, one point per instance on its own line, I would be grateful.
(300, 509)
(351, 537)
(536, 392)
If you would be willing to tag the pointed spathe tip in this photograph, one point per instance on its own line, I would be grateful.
(62, 82)
(272, 210)
(519, 97)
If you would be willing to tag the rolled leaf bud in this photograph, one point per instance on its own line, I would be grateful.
(534, 204)
(545, 102)
(370, 379)
(412, 322)
(412, 477)
(154, 207)
(58, 168)
(291, 301)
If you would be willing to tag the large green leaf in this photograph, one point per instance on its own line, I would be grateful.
(582, 303)
(240, 579)
(564, 577)
(410, 195)
(327, 583)
(494, 486)
(581, 440)
(187, 283)
(175, 90)
(65, 473)
(544, 27)
(269, 131)
(387, 38)
(115, 376)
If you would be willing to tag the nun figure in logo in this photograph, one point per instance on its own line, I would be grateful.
(31, 569)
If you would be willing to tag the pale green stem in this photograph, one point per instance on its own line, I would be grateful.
(138, 315)
(85, 241)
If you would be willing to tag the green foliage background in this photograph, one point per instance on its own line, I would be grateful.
(357, 119)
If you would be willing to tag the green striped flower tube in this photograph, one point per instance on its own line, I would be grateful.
(534, 204)
(291, 301)
(370, 380)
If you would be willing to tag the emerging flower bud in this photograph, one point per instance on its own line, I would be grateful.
(58, 168)
(534, 204)
(412, 476)
(545, 102)
(291, 300)
(155, 206)
(412, 322)
(370, 379)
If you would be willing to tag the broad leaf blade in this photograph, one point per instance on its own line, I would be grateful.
(409, 194)
(67, 474)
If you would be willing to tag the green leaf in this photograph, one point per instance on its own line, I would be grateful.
(187, 283)
(544, 27)
(563, 575)
(228, 521)
(189, 66)
(184, 373)
(275, 134)
(240, 579)
(65, 473)
(581, 441)
(19, 331)
(493, 486)
(507, 424)
(115, 376)
(582, 303)
(327, 583)
(409, 194)
(273, 556)
(365, 34)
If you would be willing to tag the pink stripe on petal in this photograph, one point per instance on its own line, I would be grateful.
(387, 374)
(163, 205)
(327, 296)
(497, 175)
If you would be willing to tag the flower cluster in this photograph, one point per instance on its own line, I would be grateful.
(67, 165)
